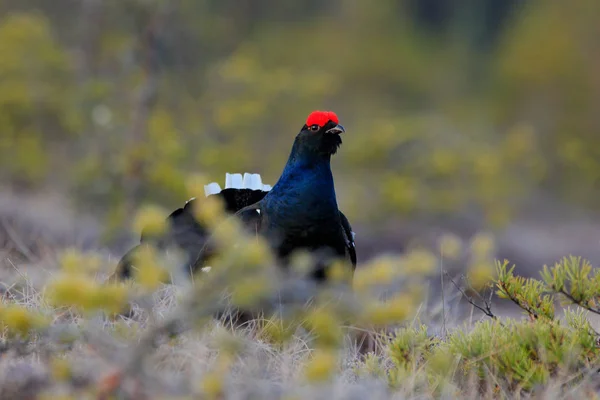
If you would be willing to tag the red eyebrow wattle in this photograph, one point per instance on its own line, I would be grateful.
(321, 118)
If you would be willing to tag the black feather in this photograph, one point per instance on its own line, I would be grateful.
(186, 234)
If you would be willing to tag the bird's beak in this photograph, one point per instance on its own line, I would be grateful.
(336, 130)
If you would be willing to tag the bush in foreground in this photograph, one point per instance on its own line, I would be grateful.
(70, 338)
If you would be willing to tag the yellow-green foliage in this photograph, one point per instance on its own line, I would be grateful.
(410, 345)
(75, 286)
(512, 356)
(529, 294)
(321, 366)
(523, 354)
(276, 331)
(149, 272)
(576, 281)
(35, 107)
(325, 326)
(150, 221)
(518, 355)
(481, 268)
(20, 321)
(544, 59)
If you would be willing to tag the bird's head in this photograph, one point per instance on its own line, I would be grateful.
(321, 133)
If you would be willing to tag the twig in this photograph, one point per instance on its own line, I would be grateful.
(192, 308)
(20, 273)
(443, 293)
(585, 307)
(487, 307)
(169, 327)
(12, 235)
(532, 313)
(578, 302)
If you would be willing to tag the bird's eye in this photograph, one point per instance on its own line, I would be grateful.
(314, 127)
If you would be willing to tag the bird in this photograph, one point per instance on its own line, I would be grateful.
(300, 212)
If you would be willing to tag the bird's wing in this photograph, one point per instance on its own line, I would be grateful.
(251, 217)
(349, 234)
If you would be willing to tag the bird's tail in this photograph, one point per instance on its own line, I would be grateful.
(187, 233)
(240, 190)
(238, 181)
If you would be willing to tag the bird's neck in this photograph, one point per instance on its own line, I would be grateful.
(306, 162)
(305, 188)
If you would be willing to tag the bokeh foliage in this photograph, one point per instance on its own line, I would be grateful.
(147, 322)
(119, 101)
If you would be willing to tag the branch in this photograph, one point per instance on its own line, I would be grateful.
(486, 308)
(578, 302)
(12, 235)
(520, 304)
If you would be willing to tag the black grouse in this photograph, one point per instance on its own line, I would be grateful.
(299, 212)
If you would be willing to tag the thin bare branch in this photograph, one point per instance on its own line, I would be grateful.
(486, 308)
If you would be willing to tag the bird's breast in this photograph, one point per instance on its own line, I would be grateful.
(302, 213)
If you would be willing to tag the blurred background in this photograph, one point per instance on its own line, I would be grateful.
(469, 122)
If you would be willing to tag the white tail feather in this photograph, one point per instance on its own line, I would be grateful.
(228, 180)
(252, 181)
(233, 181)
(237, 181)
(212, 188)
(246, 180)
